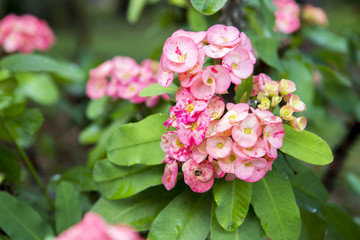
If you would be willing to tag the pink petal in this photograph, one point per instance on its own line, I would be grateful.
(239, 63)
(220, 75)
(199, 177)
(219, 147)
(170, 175)
(221, 35)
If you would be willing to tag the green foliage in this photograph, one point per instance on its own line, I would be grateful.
(186, 217)
(313, 227)
(116, 182)
(274, 203)
(233, 200)
(306, 146)
(309, 191)
(208, 7)
(249, 230)
(156, 89)
(134, 10)
(67, 206)
(138, 143)
(20, 221)
(38, 63)
(267, 50)
(29, 120)
(196, 21)
(325, 38)
(244, 90)
(9, 165)
(139, 210)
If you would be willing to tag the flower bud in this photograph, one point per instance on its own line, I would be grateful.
(261, 95)
(286, 87)
(275, 100)
(286, 112)
(298, 124)
(296, 103)
(314, 15)
(265, 104)
(271, 88)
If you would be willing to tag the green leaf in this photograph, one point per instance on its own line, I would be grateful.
(134, 10)
(7, 86)
(208, 7)
(30, 120)
(138, 211)
(9, 164)
(117, 182)
(196, 21)
(325, 38)
(90, 134)
(186, 217)
(138, 143)
(249, 230)
(79, 176)
(301, 75)
(233, 200)
(339, 223)
(39, 63)
(20, 221)
(244, 90)
(14, 110)
(97, 108)
(313, 226)
(268, 12)
(156, 89)
(274, 203)
(335, 75)
(267, 48)
(306, 146)
(67, 206)
(39, 87)
(309, 191)
(353, 180)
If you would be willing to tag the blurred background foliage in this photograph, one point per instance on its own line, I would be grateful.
(91, 31)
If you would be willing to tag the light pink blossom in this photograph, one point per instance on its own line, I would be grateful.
(170, 175)
(247, 132)
(223, 36)
(172, 146)
(219, 147)
(251, 170)
(235, 114)
(198, 176)
(194, 133)
(274, 134)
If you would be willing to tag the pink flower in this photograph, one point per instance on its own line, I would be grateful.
(96, 87)
(170, 175)
(257, 151)
(247, 132)
(172, 146)
(199, 153)
(286, 87)
(180, 54)
(223, 36)
(296, 103)
(165, 76)
(287, 16)
(25, 34)
(198, 37)
(93, 227)
(216, 107)
(194, 133)
(314, 15)
(227, 164)
(215, 79)
(251, 170)
(299, 124)
(125, 69)
(239, 63)
(219, 147)
(235, 114)
(274, 134)
(199, 176)
(266, 117)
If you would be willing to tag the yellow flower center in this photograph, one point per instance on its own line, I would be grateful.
(220, 145)
(232, 157)
(247, 130)
(182, 57)
(179, 143)
(231, 117)
(190, 107)
(225, 39)
(235, 66)
(248, 164)
(132, 89)
(193, 126)
(267, 135)
(250, 148)
(214, 115)
(210, 81)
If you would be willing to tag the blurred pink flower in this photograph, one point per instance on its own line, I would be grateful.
(25, 34)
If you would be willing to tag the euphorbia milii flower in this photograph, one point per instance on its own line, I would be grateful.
(96, 87)
(266, 117)
(247, 132)
(215, 79)
(223, 36)
(257, 151)
(296, 103)
(251, 170)
(180, 53)
(298, 124)
(235, 114)
(216, 107)
(198, 37)
(239, 63)
(172, 146)
(199, 176)
(170, 175)
(274, 134)
(286, 87)
(227, 164)
(194, 133)
(219, 147)
(199, 153)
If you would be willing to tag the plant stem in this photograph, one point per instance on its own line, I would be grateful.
(29, 165)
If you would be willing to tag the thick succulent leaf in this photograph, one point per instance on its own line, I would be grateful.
(274, 203)
(138, 143)
(186, 217)
(233, 200)
(306, 147)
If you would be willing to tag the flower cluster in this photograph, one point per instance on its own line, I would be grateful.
(93, 227)
(286, 16)
(314, 15)
(214, 139)
(122, 77)
(25, 34)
